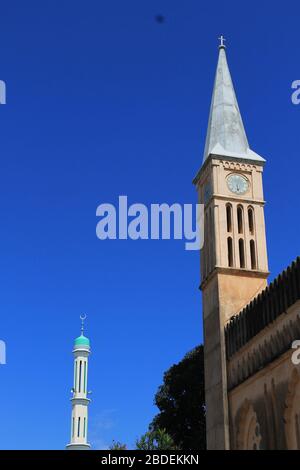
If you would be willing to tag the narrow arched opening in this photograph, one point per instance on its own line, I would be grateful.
(230, 252)
(241, 253)
(240, 219)
(253, 254)
(229, 217)
(251, 220)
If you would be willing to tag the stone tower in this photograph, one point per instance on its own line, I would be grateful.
(80, 400)
(234, 265)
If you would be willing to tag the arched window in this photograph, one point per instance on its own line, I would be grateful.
(80, 374)
(251, 220)
(75, 378)
(229, 217)
(240, 219)
(249, 434)
(84, 386)
(242, 253)
(84, 426)
(78, 430)
(253, 254)
(230, 252)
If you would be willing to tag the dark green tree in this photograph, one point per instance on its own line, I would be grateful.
(182, 404)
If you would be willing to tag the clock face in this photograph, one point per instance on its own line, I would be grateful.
(237, 184)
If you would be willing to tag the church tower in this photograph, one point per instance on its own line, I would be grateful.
(80, 401)
(234, 264)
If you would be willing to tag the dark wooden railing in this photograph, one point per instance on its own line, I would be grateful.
(274, 300)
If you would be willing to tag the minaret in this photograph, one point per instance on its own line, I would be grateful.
(80, 402)
(234, 264)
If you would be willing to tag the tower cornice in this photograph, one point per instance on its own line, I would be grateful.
(243, 200)
(224, 158)
(234, 272)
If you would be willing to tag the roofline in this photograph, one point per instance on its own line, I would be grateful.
(263, 310)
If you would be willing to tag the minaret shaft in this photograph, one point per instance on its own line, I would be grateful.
(80, 400)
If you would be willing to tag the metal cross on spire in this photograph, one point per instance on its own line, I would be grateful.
(82, 318)
(222, 41)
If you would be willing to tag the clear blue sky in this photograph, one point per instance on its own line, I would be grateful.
(102, 101)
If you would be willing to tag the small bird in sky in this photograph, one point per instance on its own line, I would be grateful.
(160, 19)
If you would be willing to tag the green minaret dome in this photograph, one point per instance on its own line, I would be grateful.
(82, 341)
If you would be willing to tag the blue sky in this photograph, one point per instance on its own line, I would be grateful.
(103, 101)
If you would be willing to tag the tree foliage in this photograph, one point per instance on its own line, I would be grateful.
(182, 404)
(116, 445)
(157, 439)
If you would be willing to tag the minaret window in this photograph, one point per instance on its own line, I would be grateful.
(242, 253)
(229, 217)
(251, 220)
(75, 380)
(84, 426)
(84, 385)
(230, 252)
(80, 373)
(240, 219)
(78, 429)
(253, 254)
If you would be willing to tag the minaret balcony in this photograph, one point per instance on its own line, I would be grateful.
(80, 400)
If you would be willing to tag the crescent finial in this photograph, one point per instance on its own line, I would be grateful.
(82, 318)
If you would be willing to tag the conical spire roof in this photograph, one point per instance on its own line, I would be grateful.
(226, 135)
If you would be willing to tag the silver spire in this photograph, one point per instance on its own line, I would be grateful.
(226, 135)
